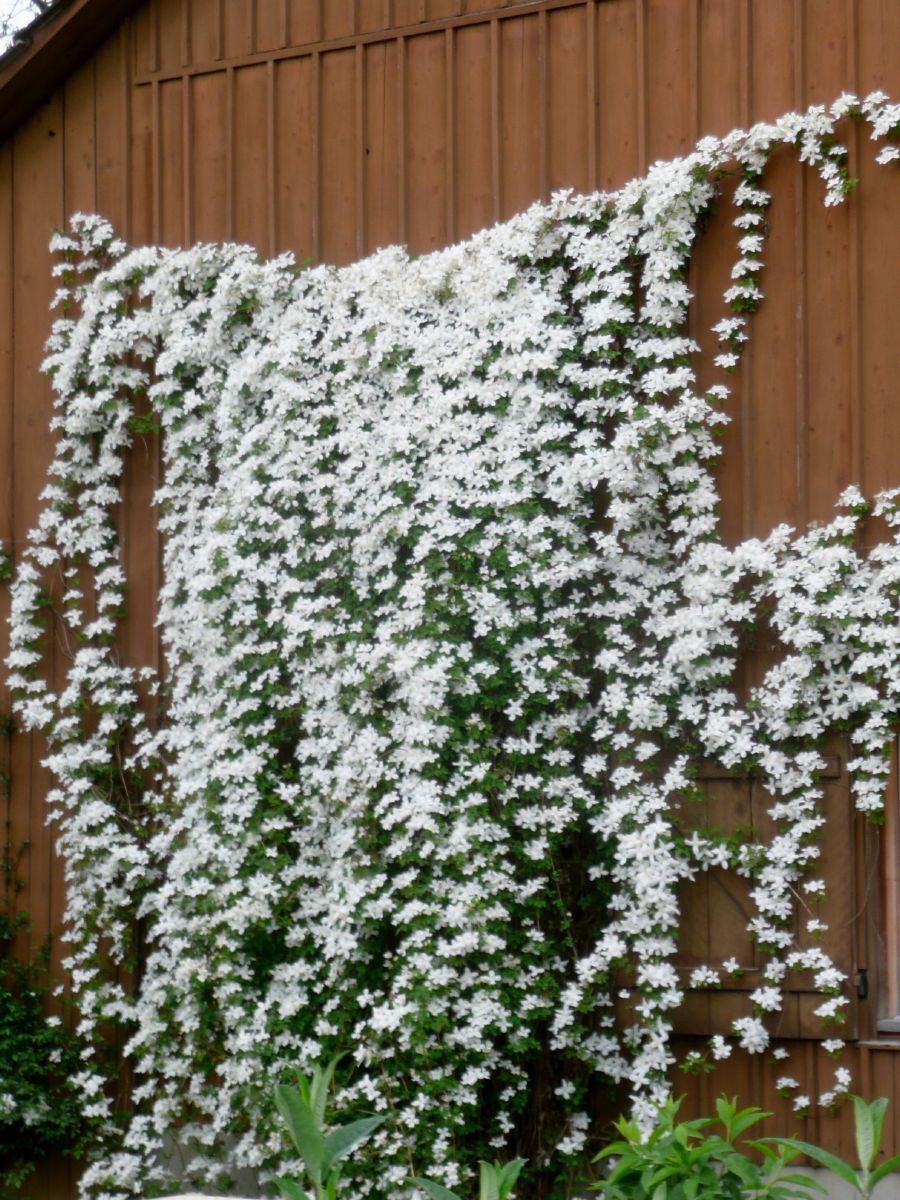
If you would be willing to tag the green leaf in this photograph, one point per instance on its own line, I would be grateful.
(304, 1131)
(489, 1188)
(805, 1181)
(744, 1119)
(885, 1168)
(869, 1119)
(290, 1189)
(318, 1092)
(508, 1176)
(341, 1141)
(436, 1190)
(831, 1161)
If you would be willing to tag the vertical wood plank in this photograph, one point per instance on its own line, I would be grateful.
(521, 119)
(543, 103)
(496, 78)
(77, 139)
(337, 153)
(171, 180)
(271, 158)
(251, 207)
(209, 160)
(170, 33)
(304, 22)
(408, 12)
(825, 241)
(9, 813)
(426, 128)
(38, 199)
(620, 120)
(237, 29)
(339, 19)
(569, 129)
(474, 189)
(229, 153)
(402, 199)
(854, 291)
(643, 100)
(372, 15)
(719, 66)
(359, 84)
(156, 135)
(205, 30)
(295, 156)
(382, 149)
(450, 133)
(187, 149)
(144, 40)
(142, 157)
(667, 84)
(111, 120)
(590, 49)
(801, 398)
(878, 31)
(270, 25)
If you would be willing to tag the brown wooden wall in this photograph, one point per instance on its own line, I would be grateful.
(331, 127)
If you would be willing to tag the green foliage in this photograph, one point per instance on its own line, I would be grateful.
(868, 1120)
(684, 1160)
(40, 1112)
(496, 1182)
(40, 1109)
(303, 1110)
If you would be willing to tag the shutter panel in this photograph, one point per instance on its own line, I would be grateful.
(717, 907)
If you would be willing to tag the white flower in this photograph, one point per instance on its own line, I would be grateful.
(719, 1047)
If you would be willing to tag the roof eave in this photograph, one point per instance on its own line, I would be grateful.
(56, 45)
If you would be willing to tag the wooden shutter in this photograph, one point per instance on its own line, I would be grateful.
(717, 907)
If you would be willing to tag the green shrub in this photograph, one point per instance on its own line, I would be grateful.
(700, 1158)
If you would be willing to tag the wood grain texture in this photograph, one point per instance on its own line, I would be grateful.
(333, 127)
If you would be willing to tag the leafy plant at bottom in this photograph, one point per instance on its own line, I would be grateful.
(303, 1110)
(689, 1159)
(496, 1182)
(868, 1121)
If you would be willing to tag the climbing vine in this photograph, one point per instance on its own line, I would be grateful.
(447, 623)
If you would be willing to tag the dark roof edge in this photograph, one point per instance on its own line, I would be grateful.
(49, 50)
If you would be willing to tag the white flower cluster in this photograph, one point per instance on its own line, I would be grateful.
(447, 619)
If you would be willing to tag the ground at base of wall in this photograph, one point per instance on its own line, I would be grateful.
(837, 1189)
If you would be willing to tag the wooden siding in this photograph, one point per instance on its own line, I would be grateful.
(330, 128)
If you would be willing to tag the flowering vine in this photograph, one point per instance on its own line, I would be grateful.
(447, 623)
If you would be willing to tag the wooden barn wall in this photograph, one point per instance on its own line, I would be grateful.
(332, 127)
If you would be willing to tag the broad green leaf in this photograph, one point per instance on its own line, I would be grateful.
(660, 1175)
(614, 1148)
(831, 1161)
(744, 1119)
(489, 1187)
(508, 1176)
(661, 1191)
(321, 1085)
(341, 1141)
(290, 1189)
(885, 1168)
(436, 1190)
(305, 1134)
(805, 1181)
(869, 1119)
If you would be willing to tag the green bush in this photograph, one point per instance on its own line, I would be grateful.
(684, 1160)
